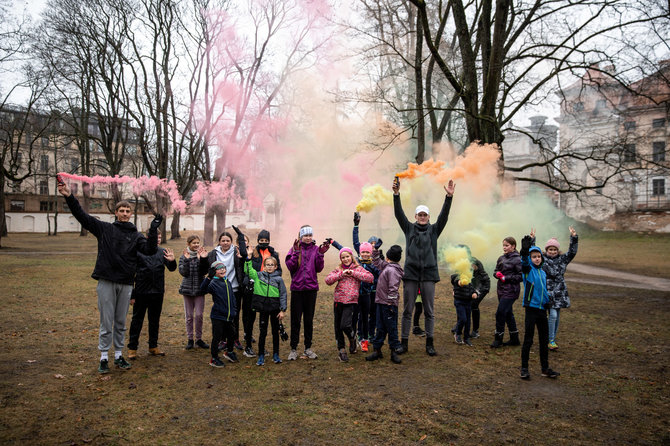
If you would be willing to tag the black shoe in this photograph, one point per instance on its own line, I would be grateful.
(429, 347)
(458, 339)
(550, 373)
(238, 345)
(474, 335)
(513, 340)
(189, 345)
(121, 363)
(376, 354)
(418, 331)
(525, 374)
(249, 352)
(497, 341)
(467, 342)
(103, 367)
(230, 356)
(216, 362)
(404, 344)
(202, 344)
(395, 358)
(343, 357)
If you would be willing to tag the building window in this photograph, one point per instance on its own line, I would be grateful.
(66, 208)
(19, 158)
(17, 205)
(74, 164)
(44, 187)
(44, 163)
(578, 106)
(658, 187)
(45, 141)
(658, 123)
(103, 193)
(658, 153)
(629, 154)
(96, 206)
(47, 206)
(629, 125)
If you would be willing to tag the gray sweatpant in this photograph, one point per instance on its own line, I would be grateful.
(113, 302)
(410, 290)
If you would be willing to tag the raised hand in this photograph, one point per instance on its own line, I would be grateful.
(396, 185)
(186, 254)
(202, 252)
(450, 188)
(169, 254)
(324, 246)
(532, 232)
(63, 189)
(156, 222)
(572, 231)
(296, 244)
(357, 218)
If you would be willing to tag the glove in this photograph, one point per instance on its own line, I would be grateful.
(357, 218)
(212, 273)
(324, 246)
(526, 243)
(156, 222)
(237, 231)
(378, 243)
(296, 245)
(499, 276)
(547, 306)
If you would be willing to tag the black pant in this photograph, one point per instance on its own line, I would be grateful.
(222, 330)
(302, 303)
(387, 324)
(505, 315)
(239, 299)
(364, 319)
(342, 322)
(263, 326)
(248, 318)
(372, 320)
(535, 316)
(143, 302)
(475, 312)
(418, 309)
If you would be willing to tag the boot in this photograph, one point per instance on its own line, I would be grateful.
(403, 346)
(155, 351)
(377, 354)
(429, 347)
(498, 340)
(132, 354)
(395, 358)
(513, 339)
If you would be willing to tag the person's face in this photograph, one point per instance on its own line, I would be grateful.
(123, 214)
(225, 242)
(194, 245)
(263, 241)
(552, 251)
(536, 258)
(160, 238)
(270, 265)
(507, 248)
(422, 218)
(365, 255)
(346, 258)
(221, 273)
(307, 238)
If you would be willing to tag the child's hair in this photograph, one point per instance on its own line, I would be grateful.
(394, 253)
(226, 234)
(269, 258)
(122, 204)
(510, 240)
(191, 238)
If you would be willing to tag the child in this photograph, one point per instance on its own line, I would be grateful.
(536, 302)
(304, 260)
(464, 292)
(269, 299)
(508, 273)
(245, 295)
(223, 312)
(481, 284)
(555, 263)
(193, 267)
(388, 287)
(349, 276)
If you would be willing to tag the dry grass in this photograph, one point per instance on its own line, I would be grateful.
(613, 388)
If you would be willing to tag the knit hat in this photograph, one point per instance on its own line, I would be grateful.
(394, 253)
(372, 240)
(345, 249)
(422, 208)
(552, 242)
(365, 247)
(264, 234)
(306, 230)
(218, 265)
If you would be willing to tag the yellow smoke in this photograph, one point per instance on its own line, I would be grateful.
(373, 196)
(459, 263)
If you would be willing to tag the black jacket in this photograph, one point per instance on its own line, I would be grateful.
(256, 261)
(118, 245)
(462, 293)
(421, 243)
(150, 277)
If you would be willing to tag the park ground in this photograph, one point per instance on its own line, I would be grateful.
(613, 359)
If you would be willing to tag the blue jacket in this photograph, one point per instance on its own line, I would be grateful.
(534, 282)
(224, 307)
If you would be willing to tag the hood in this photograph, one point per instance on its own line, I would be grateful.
(536, 249)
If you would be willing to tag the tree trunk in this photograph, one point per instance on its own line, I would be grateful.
(418, 93)
(208, 236)
(174, 227)
(221, 218)
(3, 221)
(85, 204)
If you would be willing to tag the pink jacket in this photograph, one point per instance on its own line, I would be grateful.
(347, 288)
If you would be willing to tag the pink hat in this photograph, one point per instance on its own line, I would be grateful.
(349, 250)
(365, 247)
(552, 242)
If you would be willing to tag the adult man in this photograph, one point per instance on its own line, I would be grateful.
(118, 245)
(420, 261)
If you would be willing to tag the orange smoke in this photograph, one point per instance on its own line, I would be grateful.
(430, 167)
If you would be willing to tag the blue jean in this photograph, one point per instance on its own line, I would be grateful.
(387, 324)
(554, 316)
(463, 311)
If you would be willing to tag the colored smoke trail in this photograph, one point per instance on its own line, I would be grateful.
(374, 196)
(458, 261)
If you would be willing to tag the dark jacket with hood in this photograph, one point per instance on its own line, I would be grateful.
(534, 282)
(257, 257)
(223, 296)
(118, 245)
(150, 277)
(462, 293)
(510, 266)
(421, 243)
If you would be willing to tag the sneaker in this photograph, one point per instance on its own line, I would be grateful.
(230, 356)
(418, 331)
(216, 362)
(309, 353)
(553, 346)
(343, 357)
(474, 335)
(189, 345)
(222, 346)
(364, 345)
(103, 367)
(153, 352)
(249, 352)
(122, 363)
(293, 355)
(352, 347)
(525, 374)
(467, 342)
(548, 373)
(261, 359)
(458, 339)
(132, 354)
(202, 344)
(238, 345)
(276, 359)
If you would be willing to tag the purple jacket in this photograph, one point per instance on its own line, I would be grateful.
(388, 284)
(510, 266)
(303, 265)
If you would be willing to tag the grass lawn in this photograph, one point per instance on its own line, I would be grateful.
(613, 360)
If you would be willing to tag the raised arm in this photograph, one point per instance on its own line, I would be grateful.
(446, 206)
(357, 243)
(91, 224)
(572, 250)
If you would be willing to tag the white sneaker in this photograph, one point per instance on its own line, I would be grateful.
(309, 353)
(293, 355)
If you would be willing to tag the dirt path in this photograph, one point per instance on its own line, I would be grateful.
(598, 276)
